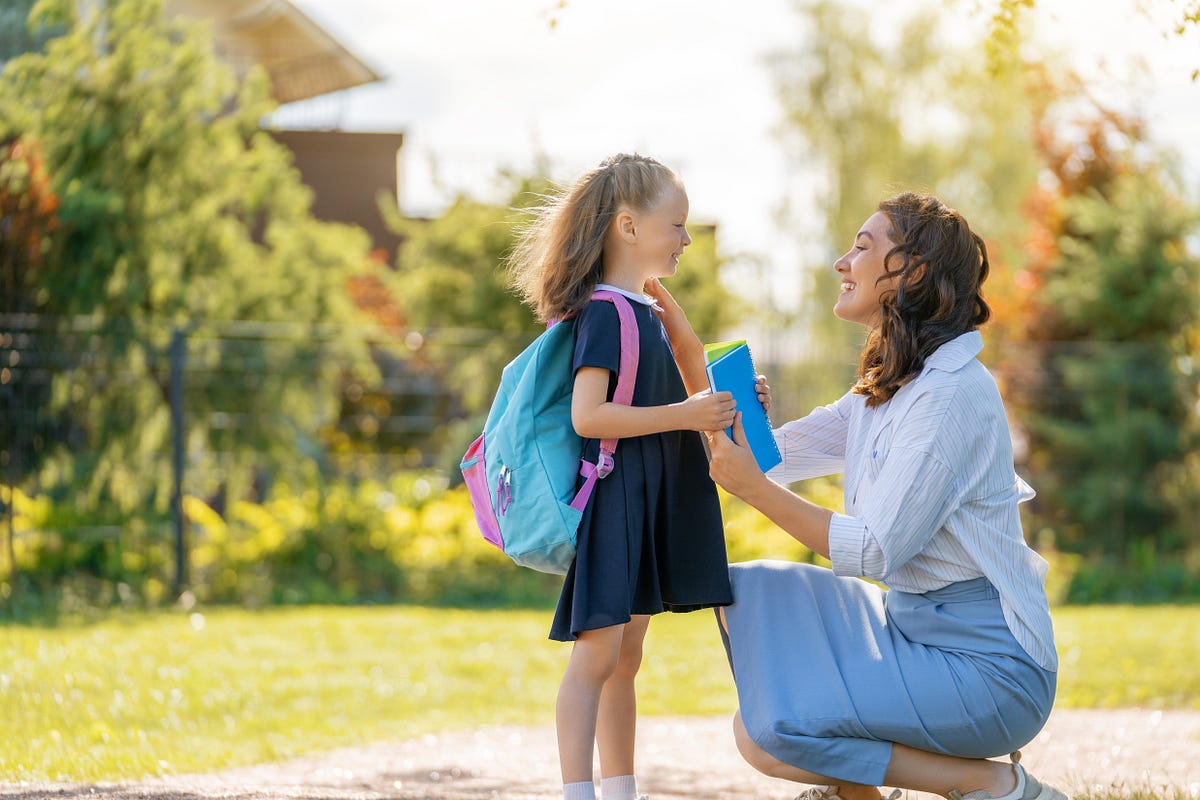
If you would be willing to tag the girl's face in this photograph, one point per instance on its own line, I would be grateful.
(860, 269)
(662, 233)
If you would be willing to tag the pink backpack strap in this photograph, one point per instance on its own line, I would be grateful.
(623, 394)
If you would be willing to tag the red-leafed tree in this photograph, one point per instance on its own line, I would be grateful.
(1105, 380)
(28, 215)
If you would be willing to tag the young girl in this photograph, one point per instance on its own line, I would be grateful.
(651, 538)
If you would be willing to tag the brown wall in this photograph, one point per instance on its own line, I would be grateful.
(346, 171)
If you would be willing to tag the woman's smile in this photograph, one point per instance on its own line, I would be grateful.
(864, 263)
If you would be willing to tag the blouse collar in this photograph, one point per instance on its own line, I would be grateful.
(956, 353)
(637, 297)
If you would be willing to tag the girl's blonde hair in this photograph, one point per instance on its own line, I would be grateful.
(557, 260)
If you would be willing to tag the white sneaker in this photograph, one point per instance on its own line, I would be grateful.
(830, 793)
(1027, 788)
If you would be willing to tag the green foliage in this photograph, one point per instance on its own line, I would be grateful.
(404, 540)
(1005, 31)
(27, 207)
(1004, 36)
(1126, 273)
(176, 212)
(408, 540)
(749, 535)
(1111, 418)
(1111, 413)
(107, 701)
(1141, 577)
(697, 285)
(452, 285)
(875, 112)
(17, 34)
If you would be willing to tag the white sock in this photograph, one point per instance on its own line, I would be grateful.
(584, 790)
(622, 787)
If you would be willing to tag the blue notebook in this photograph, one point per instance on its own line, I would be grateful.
(730, 369)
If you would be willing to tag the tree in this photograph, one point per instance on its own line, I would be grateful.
(16, 34)
(27, 218)
(1004, 33)
(175, 212)
(871, 117)
(1105, 385)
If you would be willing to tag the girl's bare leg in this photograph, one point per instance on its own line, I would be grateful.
(616, 724)
(593, 660)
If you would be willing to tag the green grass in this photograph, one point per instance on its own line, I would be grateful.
(169, 692)
(1128, 656)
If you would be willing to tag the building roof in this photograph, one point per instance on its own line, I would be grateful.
(302, 59)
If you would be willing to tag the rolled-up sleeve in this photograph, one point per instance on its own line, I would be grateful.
(847, 545)
(914, 494)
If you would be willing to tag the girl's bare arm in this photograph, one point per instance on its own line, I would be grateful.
(596, 418)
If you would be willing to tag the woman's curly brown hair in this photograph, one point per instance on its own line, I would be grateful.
(935, 297)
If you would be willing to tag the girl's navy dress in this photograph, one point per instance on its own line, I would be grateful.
(651, 538)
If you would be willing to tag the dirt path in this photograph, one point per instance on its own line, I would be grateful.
(678, 757)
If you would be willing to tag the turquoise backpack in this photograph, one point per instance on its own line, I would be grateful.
(521, 471)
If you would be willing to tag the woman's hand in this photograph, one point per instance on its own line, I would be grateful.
(707, 411)
(732, 464)
(679, 330)
(689, 352)
(764, 393)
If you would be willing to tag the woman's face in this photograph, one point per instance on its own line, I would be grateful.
(860, 268)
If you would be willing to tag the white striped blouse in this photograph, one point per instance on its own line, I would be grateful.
(931, 493)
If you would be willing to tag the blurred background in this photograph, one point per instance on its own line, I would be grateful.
(251, 309)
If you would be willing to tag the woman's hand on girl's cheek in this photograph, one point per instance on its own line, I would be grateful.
(671, 311)
(683, 339)
(655, 289)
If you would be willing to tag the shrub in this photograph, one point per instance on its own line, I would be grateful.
(409, 539)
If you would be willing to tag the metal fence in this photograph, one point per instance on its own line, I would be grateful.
(394, 408)
(86, 404)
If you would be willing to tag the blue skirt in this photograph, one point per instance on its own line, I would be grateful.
(832, 671)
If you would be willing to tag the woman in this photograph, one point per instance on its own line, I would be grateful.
(840, 682)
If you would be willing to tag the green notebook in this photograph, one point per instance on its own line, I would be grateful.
(717, 349)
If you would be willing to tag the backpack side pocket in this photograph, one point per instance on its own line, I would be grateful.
(474, 470)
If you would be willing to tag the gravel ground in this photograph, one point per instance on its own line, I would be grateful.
(678, 757)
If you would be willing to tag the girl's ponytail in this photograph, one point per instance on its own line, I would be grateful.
(558, 257)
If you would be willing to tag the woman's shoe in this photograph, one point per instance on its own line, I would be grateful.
(830, 793)
(1027, 788)
(819, 793)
